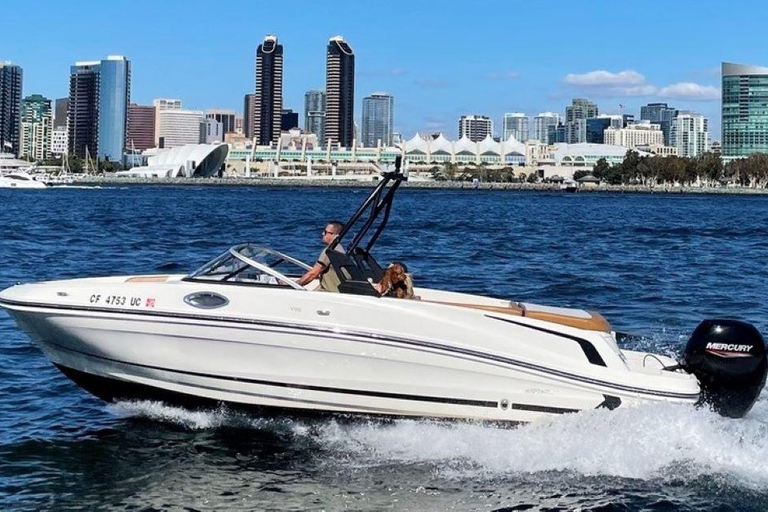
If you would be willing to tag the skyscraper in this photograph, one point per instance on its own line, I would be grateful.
(114, 97)
(314, 114)
(36, 121)
(10, 107)
(99, 94)
(575, 119)
(690, 134)
(340, 92)
(542, 124)
(60, 113)
(141, 127)
(745, 116)
(516, 125)
(289, 120)
(83, 114)
(248, 109)
(661, 114)
(268, 101)
(476, 128)
(378, 119)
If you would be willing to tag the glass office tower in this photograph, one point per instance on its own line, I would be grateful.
(745, 110)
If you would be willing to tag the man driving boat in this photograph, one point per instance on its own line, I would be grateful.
(329, 281)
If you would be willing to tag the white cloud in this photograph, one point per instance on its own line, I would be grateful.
(605, 78)
(690, 91)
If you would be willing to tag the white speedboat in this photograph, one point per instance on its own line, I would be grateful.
(242, 332)
(19, 179)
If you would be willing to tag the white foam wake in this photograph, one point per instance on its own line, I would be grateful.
(653, 441)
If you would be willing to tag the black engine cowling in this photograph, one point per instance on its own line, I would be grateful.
(729, 359)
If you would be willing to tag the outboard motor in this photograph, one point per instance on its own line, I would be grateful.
(729, 359)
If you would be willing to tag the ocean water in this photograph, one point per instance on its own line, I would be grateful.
(655, 265)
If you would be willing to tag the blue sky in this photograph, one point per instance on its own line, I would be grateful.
(439, 59)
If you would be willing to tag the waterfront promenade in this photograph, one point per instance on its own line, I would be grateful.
(108, 181)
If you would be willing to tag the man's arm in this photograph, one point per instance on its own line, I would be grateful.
(311, 274)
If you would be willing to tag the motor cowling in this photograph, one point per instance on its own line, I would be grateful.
(729, 359)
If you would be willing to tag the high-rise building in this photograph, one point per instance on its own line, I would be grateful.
(178, 127)
(745, 116)
(36, 121)
(268, 101)
(596, 127)
(83, 113)
(580, 108)
(289, 120)
(661, 114)
(576, 115)
(141, 127)
(161, 104)
(248, 108)
(239, 125)
(114, 98)
(340, 92)
(225, 117)
(314, 114)
(516, 125)
(10, 107)
(378, 119)
(690, 134)
(59, 141)
(99, 94)
(60, 113)
(475, 127)
(541, 125)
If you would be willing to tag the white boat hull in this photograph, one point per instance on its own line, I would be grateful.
(314, 352)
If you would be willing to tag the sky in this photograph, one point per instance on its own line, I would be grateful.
(440, 60)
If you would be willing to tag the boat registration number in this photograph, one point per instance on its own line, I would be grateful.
(121, 300)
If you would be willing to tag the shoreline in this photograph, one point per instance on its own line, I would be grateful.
(439, 185)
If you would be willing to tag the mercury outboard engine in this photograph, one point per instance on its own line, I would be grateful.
(729, 359)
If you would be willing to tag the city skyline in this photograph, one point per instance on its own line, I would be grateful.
(435, 81)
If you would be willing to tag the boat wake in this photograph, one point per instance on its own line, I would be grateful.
(650, 442)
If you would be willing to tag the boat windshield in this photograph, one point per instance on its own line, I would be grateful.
(252, 264)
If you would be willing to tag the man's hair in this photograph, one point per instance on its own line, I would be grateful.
(337, 226)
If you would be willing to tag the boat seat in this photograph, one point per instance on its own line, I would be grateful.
(353, 278)
(595, 322)
(147, 279)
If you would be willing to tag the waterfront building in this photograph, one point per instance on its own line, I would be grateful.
(378, 119)
(657, 149)
(83, 113)
(634, 135)
(60, 113)
(690, 134)
(225, 116)
(515, 125)
(248, 108)
(99, 94)
(188, 161)
(114, 98)
(289, 120)
(745, 110)
(340, 92)
(36, 121)
(214, 131)
(541, 125)
(661, 114)
(314, 114)
(59, 142)
(141, 127)
(11, 77)
(268, 100)
(475, 127)
(179, 127)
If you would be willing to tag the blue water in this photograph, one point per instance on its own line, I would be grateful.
(653, 264)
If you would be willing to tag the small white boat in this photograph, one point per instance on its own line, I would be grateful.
(19, 179)
(241, 331)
